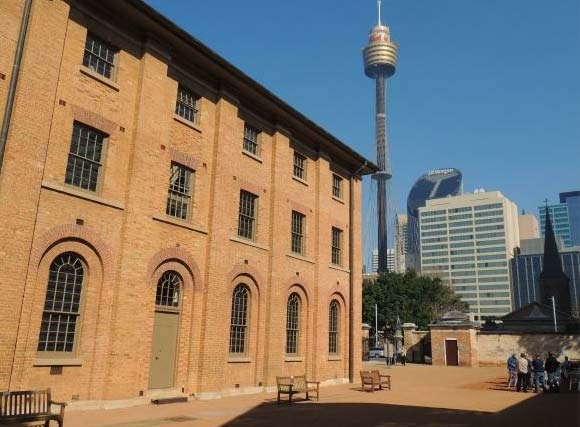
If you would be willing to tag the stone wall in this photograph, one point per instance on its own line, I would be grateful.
(494, 347)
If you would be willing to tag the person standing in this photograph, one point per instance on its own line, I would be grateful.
(552, 365)
(512, 366)
(565, 367)
(522, 373)
(403, 355)
(538, 366)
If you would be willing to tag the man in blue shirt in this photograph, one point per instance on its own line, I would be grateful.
(512, 365)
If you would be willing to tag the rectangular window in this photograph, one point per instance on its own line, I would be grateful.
(297, 233)
(299, 166)
(336, 246)
(251, 143)
(186, 105)
(179, 193)
(85, 157)
(247, 215)
(99, 56)
(337, 186)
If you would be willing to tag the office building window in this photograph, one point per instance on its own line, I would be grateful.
(85, 157)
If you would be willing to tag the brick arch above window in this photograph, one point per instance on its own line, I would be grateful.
(298, 285)
(84, 234)
(245, 272)
(158, 265)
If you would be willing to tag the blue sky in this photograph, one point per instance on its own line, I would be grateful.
(491, 87)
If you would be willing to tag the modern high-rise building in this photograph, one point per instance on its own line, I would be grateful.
(401, 242)
(380, 62)
(390, 260)
(527, 266)
(435, 184)
(529, 227)
(565, 218)
(468, 241)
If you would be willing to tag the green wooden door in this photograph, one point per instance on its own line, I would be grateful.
(163, 350)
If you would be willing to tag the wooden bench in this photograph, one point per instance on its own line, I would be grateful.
(297, 384)
(29, 406)
(372, 379)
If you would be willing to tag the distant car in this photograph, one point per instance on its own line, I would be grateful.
(376, 353)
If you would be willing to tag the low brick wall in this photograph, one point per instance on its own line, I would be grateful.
(494, 348)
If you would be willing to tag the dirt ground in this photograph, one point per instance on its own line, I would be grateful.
(428, 396)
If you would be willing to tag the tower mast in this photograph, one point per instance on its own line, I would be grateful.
(380, 61)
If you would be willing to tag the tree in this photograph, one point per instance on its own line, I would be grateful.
(413, 298)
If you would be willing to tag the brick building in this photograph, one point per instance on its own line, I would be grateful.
(165, 221)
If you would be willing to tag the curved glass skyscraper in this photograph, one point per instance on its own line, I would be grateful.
(435, 184)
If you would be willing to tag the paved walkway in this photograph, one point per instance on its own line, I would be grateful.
(421, 396)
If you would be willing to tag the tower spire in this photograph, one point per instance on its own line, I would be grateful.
(379, 9)
(552, 261)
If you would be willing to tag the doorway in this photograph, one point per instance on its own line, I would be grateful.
(451, 352)
(165, 331)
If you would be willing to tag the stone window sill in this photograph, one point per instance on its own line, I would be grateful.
(338, 268)
(249, 243)
(236, 359)
(252, 156)
(301, 258)
(82, 195)
(337, 199)
(334, 358)
(107, 82)
(187, 123)
(57, 361)
(300, 180)
(179, 223)
(294, 359)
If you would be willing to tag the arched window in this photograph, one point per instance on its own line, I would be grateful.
(239, 321)
(333, 327)
(168, 290)
(293, 324)
(62, 304)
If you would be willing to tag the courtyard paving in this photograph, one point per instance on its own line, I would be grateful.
(422, 396)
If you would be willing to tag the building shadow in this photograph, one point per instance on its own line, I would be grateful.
(562, 410)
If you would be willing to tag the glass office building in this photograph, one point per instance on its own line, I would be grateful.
(435, 184)
(525, 273)
(565, 218)
(468, 241)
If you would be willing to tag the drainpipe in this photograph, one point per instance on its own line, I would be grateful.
(14, 80)
(351, 287)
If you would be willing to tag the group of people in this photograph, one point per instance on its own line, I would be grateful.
(393, 356)
(525, 372)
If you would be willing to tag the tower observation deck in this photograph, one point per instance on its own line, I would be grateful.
(380, 62)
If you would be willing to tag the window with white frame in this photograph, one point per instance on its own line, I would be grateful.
(336, 246)
(337, 186)
(298, 220)
(299, 166)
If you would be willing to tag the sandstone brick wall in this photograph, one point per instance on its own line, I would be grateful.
(127, 241)
(495, 348)
(466, 345)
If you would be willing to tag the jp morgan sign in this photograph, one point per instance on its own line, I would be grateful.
(441, 171)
